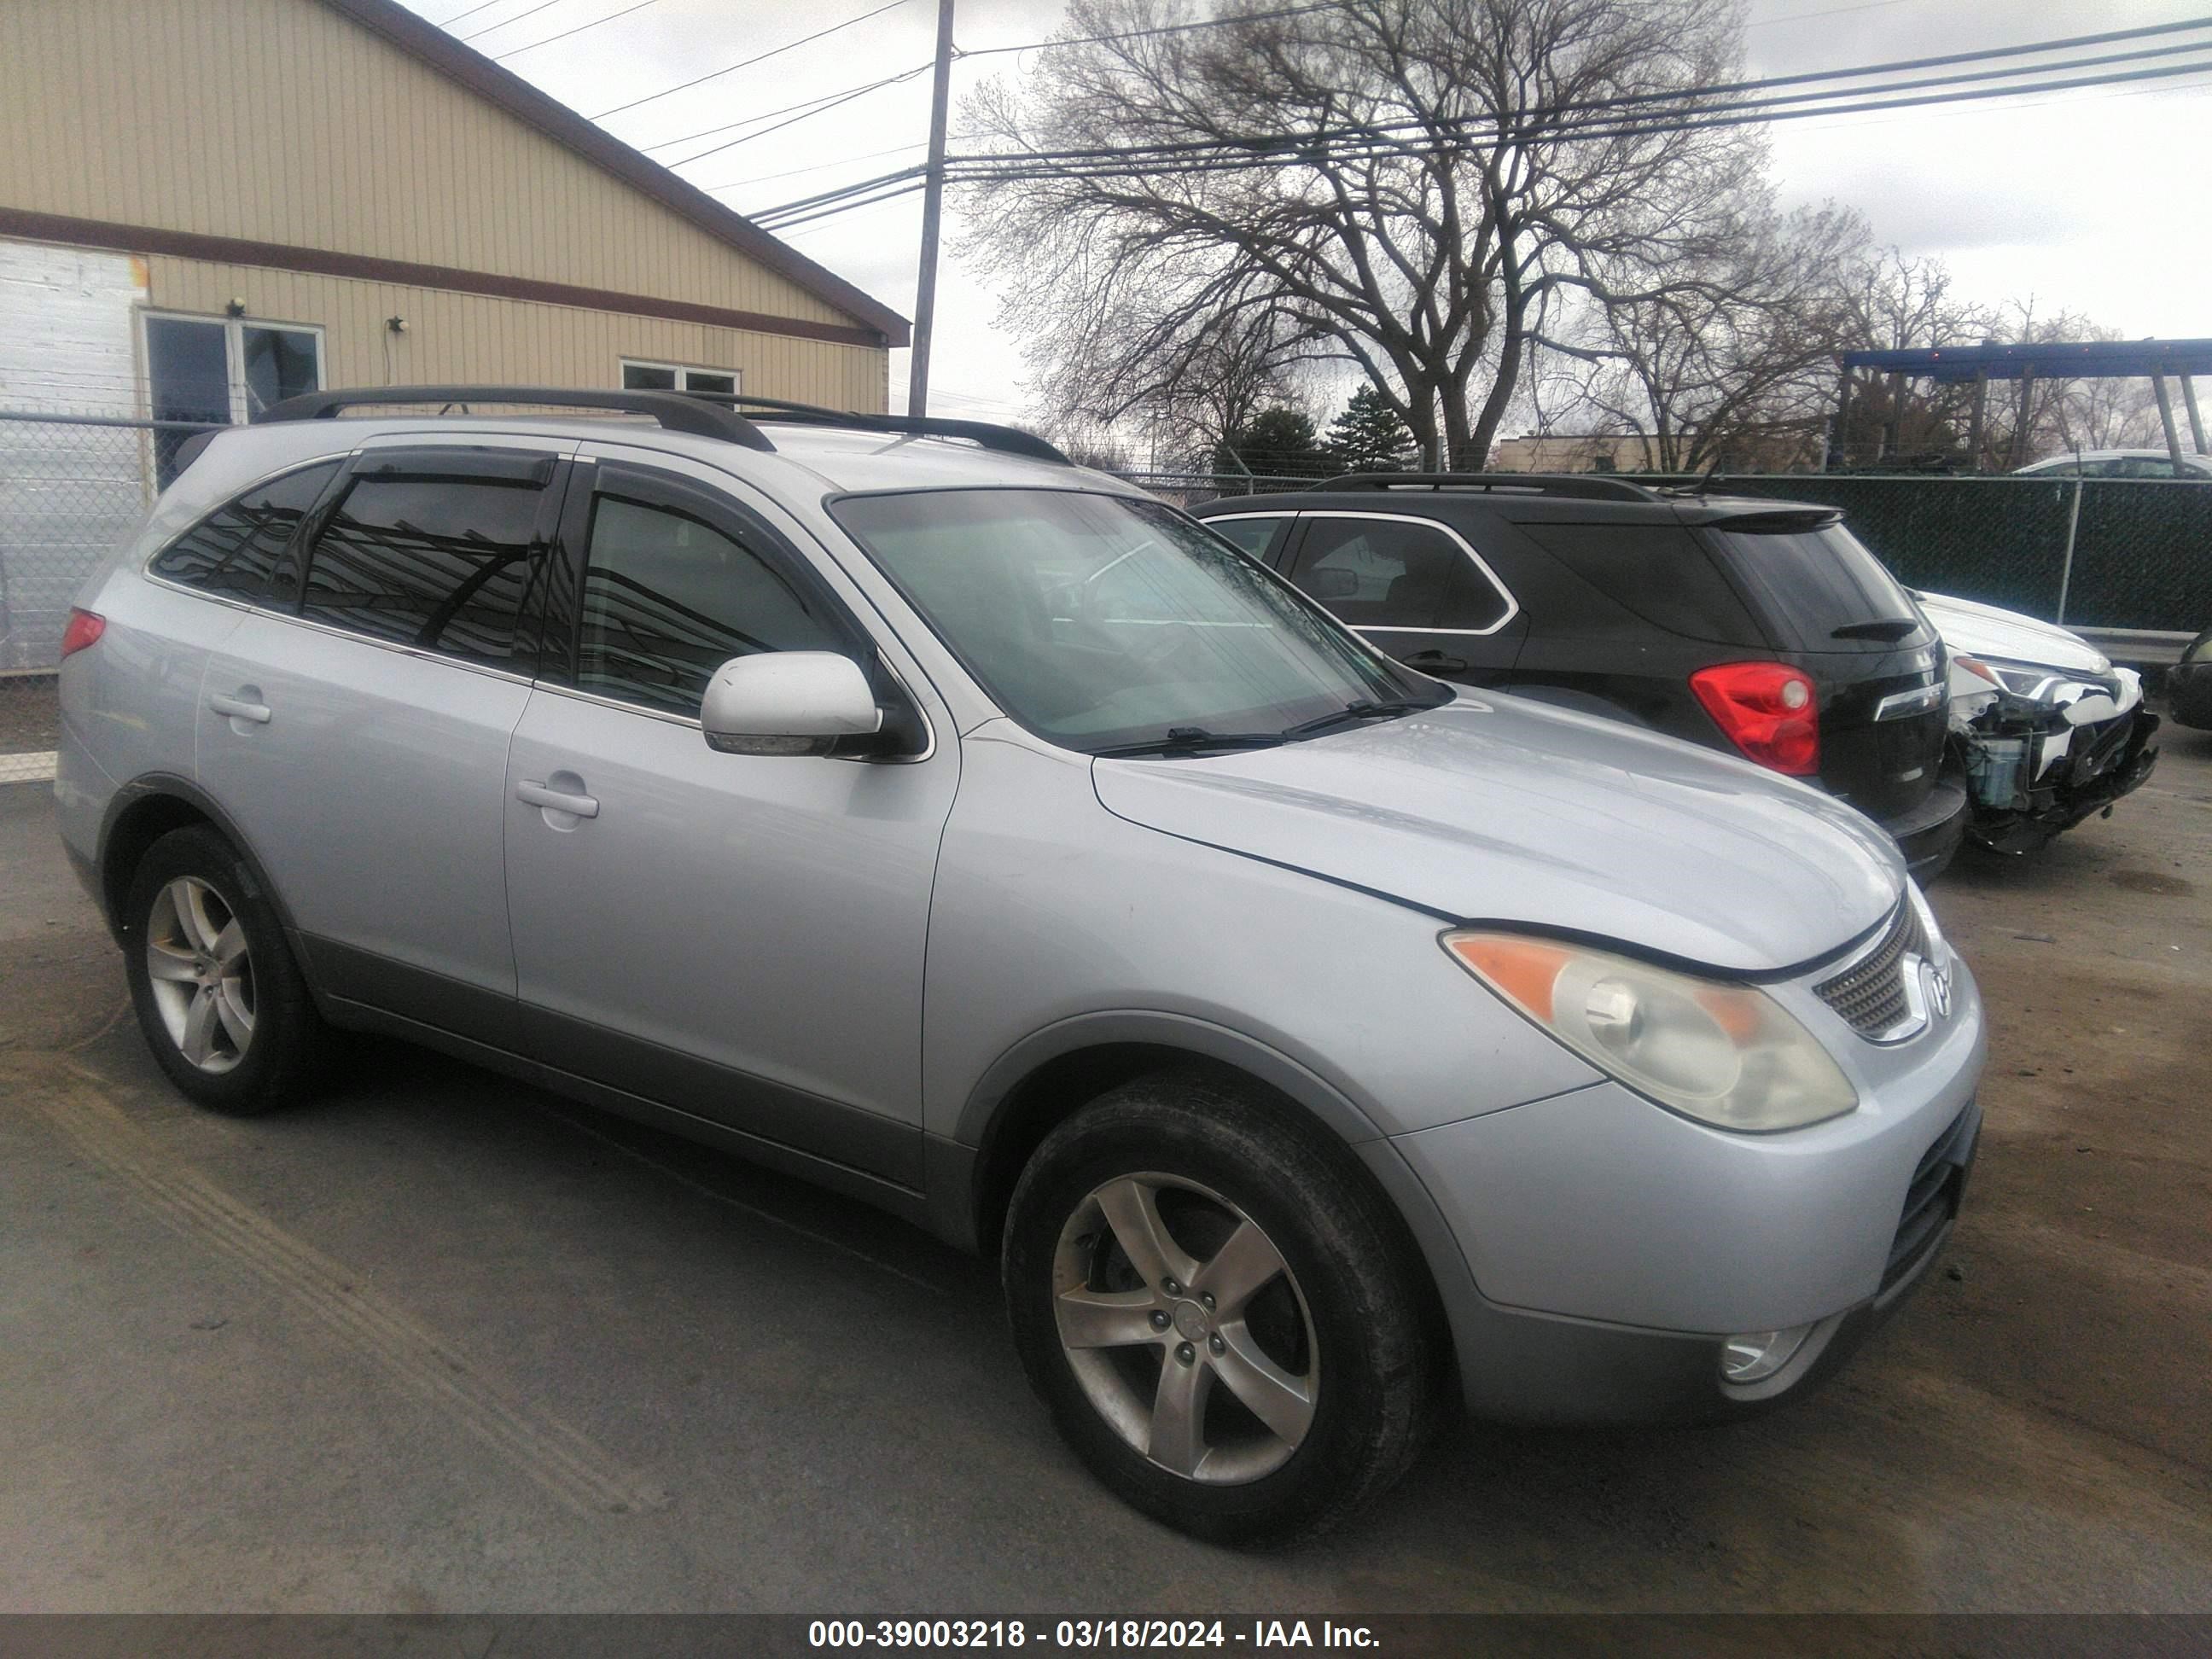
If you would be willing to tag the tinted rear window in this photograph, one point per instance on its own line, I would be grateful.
(1656, 570)
(1812, 583)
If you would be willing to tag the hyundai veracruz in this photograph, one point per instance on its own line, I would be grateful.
(890, 801)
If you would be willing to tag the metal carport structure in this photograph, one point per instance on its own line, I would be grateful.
(2071, 360)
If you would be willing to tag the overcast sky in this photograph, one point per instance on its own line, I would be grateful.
(2091, 201)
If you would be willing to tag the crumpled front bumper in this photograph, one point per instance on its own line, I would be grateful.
(2033, 775)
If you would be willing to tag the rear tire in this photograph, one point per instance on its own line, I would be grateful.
(1275, 1411)
(220, 1000)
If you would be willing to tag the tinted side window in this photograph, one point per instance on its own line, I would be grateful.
(670, 596)
(441, 563)
(233, 549)
(1253, 535)
(1657, 571)
(1377, 572)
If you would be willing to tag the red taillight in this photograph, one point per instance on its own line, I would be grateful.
(84, 629)
(1767, 709)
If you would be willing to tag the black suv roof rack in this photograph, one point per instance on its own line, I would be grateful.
(1010, 440)
(1584, 486)
(676, 412)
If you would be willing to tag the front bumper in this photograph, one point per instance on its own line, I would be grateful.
(1594, 1252)
(2034, 776)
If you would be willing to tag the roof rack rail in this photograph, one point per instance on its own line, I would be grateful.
(676, 412)
(1585, 486)
(1007, 439)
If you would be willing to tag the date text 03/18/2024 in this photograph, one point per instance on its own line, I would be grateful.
(1109, 1635)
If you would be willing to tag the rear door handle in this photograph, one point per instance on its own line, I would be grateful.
(557, 800)
(240, 710)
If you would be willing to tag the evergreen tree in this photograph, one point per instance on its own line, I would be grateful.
(1278, 442)
(1369, 436)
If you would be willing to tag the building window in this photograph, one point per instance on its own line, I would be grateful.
(675, 377)
(224, 370)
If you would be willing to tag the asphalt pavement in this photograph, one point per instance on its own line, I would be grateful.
(440, 1342)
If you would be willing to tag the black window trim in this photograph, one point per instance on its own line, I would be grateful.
(364, 463)
(1512, 603)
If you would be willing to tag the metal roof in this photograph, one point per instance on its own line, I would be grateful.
(2072, 359)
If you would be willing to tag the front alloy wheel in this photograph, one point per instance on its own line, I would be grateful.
(1222, 1310)
(201, 972)
(1188, 1335)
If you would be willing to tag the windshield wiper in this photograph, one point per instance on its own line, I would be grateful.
(1889, 628)
(1190, 740)
(1352, 713)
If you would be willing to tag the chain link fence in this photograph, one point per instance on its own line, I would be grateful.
(72, 487)
(2117, 553)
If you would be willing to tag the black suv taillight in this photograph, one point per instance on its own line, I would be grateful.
(1767, 709)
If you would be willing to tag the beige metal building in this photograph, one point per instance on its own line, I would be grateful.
(207, 204)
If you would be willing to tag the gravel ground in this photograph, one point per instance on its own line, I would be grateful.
(441, 1343)
(30, 718)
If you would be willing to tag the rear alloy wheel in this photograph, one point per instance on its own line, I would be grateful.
(1222, 1313)
(219, 999)
(201, 973)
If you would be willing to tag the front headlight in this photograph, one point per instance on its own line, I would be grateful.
(1718, 1051)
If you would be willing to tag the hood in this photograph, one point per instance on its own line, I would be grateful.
(1495, 809)
(1985, 630)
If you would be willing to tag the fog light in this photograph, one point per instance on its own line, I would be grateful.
(1754, 1356)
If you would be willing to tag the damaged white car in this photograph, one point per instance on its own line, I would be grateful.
(2047, 731)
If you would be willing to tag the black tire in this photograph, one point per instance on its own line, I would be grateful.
(281, 1057)
(1366, 1340)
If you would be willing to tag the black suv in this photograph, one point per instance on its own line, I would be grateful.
(1759, 627)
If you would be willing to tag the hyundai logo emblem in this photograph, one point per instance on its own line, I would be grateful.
(1939, 990)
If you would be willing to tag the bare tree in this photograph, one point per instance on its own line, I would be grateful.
(1737, 367)
(1448, 191)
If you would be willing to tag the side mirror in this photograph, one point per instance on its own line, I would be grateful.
(1330, 584)
(787, 702)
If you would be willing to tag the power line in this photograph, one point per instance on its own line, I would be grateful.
(1625, 99)
(500, 58)
(823, 109)
(482, 5)
(1587, 121)
(817, 166)
(1833, 11)
(542, 5)
(1140, 35)
(762, 58)
(769, 115)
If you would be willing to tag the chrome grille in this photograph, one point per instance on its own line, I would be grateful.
(1870, 994)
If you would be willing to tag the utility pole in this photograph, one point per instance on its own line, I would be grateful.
(932, 204)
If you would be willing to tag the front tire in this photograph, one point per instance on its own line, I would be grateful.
(219, 999)
(1220, 1314)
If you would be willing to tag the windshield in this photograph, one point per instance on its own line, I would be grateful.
(1099, 621)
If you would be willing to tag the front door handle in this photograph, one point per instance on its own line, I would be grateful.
(241, 708)
(557, 800)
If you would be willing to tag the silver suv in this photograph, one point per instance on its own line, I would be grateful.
(897, 804)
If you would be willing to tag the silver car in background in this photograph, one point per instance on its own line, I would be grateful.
(897, 804)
